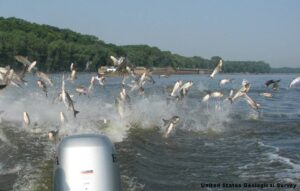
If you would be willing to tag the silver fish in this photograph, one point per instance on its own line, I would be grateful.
(242, 91)
(123, 96)
(216, 94)
(26, 119)
(206, 98)
(120, 107)
(26, 62)
(73, 75)
(100, 79)
(185, 88)
(264, 94)
(176, 88)
(66, 98)
(213, 95)
(81, 90)
(251, 102)
(72, 67)
(63, 118)
(43, 86)
(217, 69)
(170, 125)
(117, 61)
(225, 81)
(294, 82)
(52, 135)
(44, 76)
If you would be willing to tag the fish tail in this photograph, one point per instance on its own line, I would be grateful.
(165, 121)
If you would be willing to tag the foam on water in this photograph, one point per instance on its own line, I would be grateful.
(291, 172)
(146, 113)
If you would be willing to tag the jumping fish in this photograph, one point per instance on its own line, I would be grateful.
(274, 84)
(217, 69)
(44, 76)
(242, 91)
(100, 79)
(294, 82)
(215, 94)
(170, 125)
(176, 88)
(29, 65)
(225, 81)
(26, 119)
(67, 99)
(251, 102)
(63, 118)
(185, 88)
(53, 134)
(43, 86)
(81, 90)
(265, 94)
(73, 75)
(117, 61)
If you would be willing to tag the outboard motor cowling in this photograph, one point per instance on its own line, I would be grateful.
(86, 163)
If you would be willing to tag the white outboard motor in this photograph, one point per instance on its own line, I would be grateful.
(86, 163)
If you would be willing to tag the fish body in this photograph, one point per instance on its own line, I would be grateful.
(87, 65)
(294, 82)
(81, 90)
(100, 79)
(206, 98)
(184, 89)
(53, 134)
(269, 95)
(225, 81)
(164, 76)
(236, 95)
(43, 86)
(44, 76)
(117, 61)
(62, 117)
(251, 102)
(123, 96)
(31, 66)
(92, 82)
(73, 75)
(120, 107)
(217, 69)
(66, 98)
(26, 119)
(72, 67)
(216, 94)
(274, 83)
(68, 102)
(176, 88)
(170, 125)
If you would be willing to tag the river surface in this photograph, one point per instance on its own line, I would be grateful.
(215, 143)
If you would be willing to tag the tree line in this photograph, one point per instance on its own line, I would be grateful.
(54, 49)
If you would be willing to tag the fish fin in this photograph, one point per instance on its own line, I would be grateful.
(165, 121)
(75, 113)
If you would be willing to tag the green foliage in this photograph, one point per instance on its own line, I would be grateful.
(285, 70)
(55, 49)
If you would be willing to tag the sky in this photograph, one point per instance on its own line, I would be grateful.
(257, 30)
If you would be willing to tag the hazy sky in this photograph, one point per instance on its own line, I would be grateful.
(267, 30)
